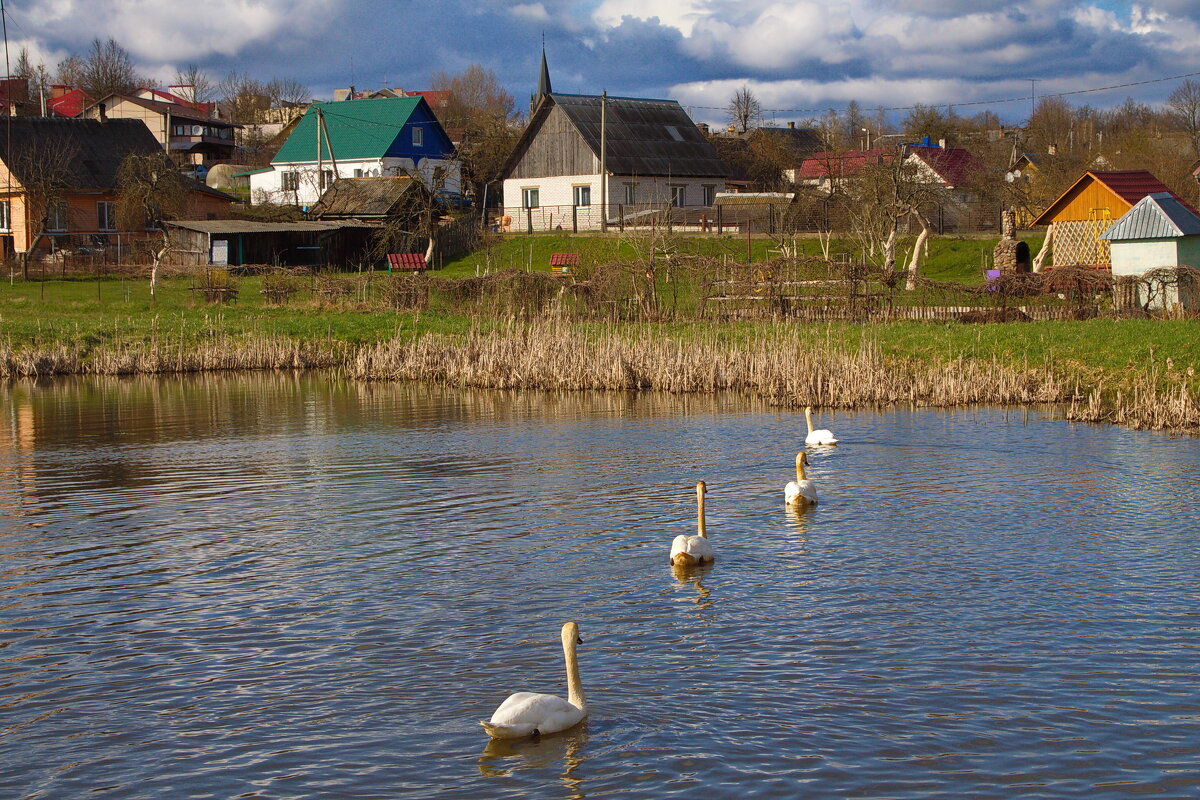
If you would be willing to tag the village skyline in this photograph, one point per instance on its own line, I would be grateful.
(799, 59)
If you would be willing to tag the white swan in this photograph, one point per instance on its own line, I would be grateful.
(820, 436)
(801, 491)
(687, 551)
(530, 713)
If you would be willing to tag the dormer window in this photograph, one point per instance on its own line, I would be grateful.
(675, 134)
(418, 136)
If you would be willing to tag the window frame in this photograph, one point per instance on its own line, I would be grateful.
(528, 193)
(289, 180)
(678, 194)
(5, 215)
(581, 195)
(58, 217)
(106, 212)
(630, 193)
(418, 136)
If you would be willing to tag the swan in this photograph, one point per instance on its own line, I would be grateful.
(687, 551)
(801, 491)
(531, 713)
(820, 436)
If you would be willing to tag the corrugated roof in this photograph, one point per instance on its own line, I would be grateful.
(642, 137)
(94, 149)
(954, 165)
(1156, 216)
(844, 164)
(230, 226)
(359, 129)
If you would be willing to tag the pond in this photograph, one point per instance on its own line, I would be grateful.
(291, 586)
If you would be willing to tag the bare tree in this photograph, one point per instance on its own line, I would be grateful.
(203, 88)
(1184, 107)
(744, 110)
(151, 191)
(243, 99)
(45, 167)
(107, 69)
(485, 113)
(70, 71)
(287, 92)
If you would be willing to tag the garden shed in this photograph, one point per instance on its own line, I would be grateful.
(1158, 235)
(235, 242)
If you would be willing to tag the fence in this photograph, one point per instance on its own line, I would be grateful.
(808, 216)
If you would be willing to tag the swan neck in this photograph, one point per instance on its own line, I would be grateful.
(800, 471)
(700, 515)
(808, 418)
(575, 694)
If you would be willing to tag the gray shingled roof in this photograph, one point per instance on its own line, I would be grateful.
(639, 138)
(1156, 216)
(94, 150)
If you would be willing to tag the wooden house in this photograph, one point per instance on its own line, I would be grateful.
(1085, 210)
(75, 163)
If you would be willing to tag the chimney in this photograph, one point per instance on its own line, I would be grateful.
(791, 126)
(1052, 150)
(703, 126)
(942, 143)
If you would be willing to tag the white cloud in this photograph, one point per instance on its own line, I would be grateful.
(531, 11)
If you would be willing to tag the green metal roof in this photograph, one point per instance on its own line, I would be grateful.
(358, 129)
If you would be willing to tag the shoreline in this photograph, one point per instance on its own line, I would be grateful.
(787, 366)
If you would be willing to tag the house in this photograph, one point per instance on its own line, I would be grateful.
(827, 171)
(78, 161)
(386, 136)
(185, 132)
(67, 102)
(1086, 210)
(1159, 231)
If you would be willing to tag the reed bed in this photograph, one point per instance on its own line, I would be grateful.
(786, 366)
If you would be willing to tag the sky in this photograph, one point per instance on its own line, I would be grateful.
(799, 57)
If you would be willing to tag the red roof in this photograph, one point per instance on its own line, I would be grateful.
(71, 104)
(436, 98)
(954, 165)
(168, 97)
(819, 166)
(1130, 185)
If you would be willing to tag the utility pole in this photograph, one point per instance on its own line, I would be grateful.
(1032, 97)
(603, 163)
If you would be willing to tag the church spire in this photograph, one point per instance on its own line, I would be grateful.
(543, 81)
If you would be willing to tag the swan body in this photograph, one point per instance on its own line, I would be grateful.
(531, 713)
(802, 491)
(821, 436)
(687, 551)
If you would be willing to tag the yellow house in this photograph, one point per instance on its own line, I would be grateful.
(74, 163)
(1087, 209)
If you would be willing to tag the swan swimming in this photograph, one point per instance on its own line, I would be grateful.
(531, 713)
(820, 436)
(687, 551)
(801, 491)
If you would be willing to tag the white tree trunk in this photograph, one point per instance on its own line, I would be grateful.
(889, 250)
(914, 263)
(1045, 249)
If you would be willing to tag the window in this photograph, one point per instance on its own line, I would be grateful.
(678, 195)
(5, 223)
(710, 195)
(631, 193)
(106, 216)
(57, 217)
(326, 178)
(358, 173)
(583, 195)
(289, 181)
(418, 136)
(529, 198)
(675, 134)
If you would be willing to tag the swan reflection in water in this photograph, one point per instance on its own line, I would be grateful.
(503, 757)
(798, 517)
(695, 575)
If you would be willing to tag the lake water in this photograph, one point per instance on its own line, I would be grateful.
(271, 586)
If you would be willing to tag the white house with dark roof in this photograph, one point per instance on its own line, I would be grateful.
(387, 136)
(653, 155)
(1159, 231)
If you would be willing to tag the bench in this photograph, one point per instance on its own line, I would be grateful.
(561, 263)
(414, 261)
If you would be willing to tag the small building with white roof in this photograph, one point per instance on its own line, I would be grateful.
(1159, 231)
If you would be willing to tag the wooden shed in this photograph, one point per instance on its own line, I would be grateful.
(1084, 211)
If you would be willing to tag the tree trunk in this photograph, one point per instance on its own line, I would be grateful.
(889, 250)
(1045, 249)
(914, 263)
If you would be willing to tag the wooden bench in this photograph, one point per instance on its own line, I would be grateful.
(413, 261)
(561, 263)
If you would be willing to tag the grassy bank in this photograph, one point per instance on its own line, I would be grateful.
(1135, 372)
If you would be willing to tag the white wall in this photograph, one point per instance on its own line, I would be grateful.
(266, 187)
(1139, 256)
(556, 196)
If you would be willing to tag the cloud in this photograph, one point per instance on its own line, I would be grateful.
(533, 11)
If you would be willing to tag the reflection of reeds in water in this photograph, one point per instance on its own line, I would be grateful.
(782, 365)
(501, 757)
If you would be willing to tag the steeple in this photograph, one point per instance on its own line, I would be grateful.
(543, 81)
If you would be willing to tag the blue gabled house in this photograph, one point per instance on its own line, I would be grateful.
(386, 136)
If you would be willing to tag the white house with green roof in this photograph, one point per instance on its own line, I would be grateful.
(384, 136)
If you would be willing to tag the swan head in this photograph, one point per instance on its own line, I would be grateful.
(802, 459)
(701, 488)
(570, 634)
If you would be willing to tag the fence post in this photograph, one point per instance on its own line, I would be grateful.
(529, 220)
(621, 216)
(574, 219)
(719, 221)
